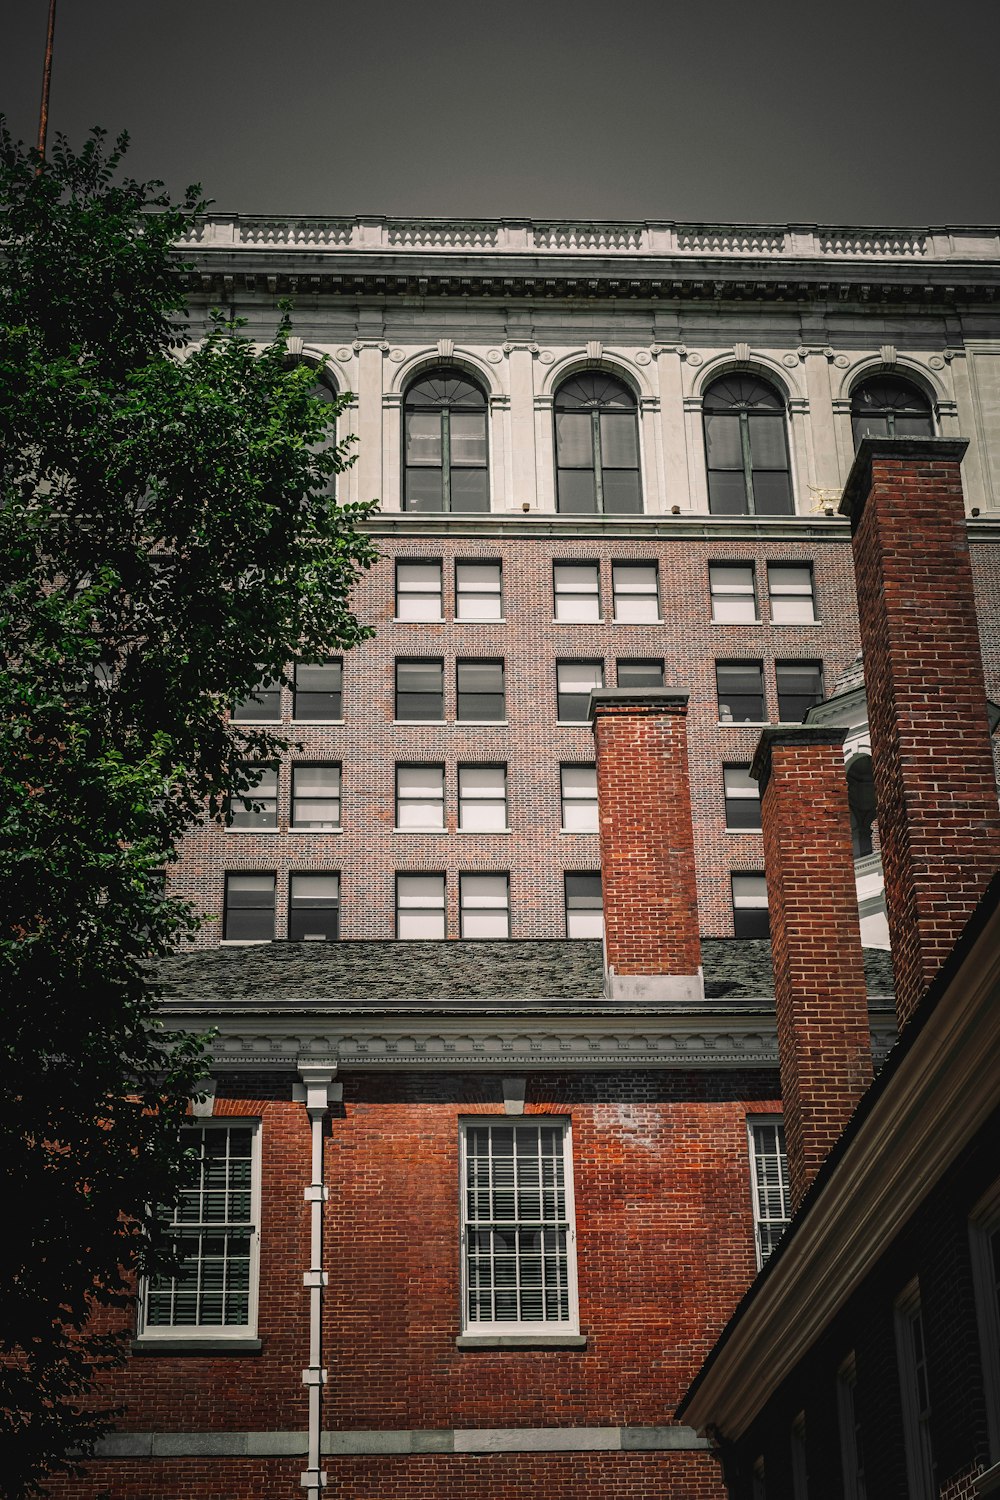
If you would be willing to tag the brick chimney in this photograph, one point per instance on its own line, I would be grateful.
(933, 768)
(652, 949)
(820, 993)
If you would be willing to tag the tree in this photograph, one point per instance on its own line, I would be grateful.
(166, 536)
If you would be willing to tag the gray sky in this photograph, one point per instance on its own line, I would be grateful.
(879, 112)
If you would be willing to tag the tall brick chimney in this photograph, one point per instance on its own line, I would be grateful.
(652, 948)
(934, 778)
(824, 1043)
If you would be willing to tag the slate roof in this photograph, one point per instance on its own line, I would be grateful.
(513, 970)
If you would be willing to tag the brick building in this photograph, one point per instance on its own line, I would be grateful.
(472, 1213)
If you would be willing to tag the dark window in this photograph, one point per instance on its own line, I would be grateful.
(584, 905)
(575, 681)
(741, 692)
(750, 914)
(419, 690)
(319, 691)
(445, 459)
(315, 796)
(889, 407)
(249, 908)
(321, 391)
(597, 446)
(746, 448)
(640, 674)
(861, 801)
(313, 908)
(742, 797)
(263, 705)
(480, 693)
(800, 685)
(257, 807)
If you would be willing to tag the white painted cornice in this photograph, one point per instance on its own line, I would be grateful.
(516, 524)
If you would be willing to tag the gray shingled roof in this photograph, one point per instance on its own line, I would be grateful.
(514, 970)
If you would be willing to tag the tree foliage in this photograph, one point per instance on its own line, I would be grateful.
(166, 532)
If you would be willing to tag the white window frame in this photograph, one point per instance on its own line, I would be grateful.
(574, 600)
(332, 766)
(760, 1221)
(218, 1332)
(984, 1223)
(851, 1451)
(469, 798)
(635, 600)
(470, 905)
(463, 595)
(426, 907)
(917, 1442)
(419, 589)
(403, 797)
(791, 596)
(539, 1328)
(728, 596)
(577, 797)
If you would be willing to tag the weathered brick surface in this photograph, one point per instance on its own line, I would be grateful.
(819, 977)
(933, 768)
(646, 837)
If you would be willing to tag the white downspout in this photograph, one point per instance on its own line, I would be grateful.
(317, 1091)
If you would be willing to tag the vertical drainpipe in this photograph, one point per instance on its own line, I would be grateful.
(317, 1091)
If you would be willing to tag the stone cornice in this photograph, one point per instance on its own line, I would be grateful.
(495, 525)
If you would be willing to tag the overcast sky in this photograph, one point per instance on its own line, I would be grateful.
(883, 112)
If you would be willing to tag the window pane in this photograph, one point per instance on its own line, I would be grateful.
(468, 437)
(584, 906)
(913, 426)
(470, 490)
(420, 906)
(636, 592)
(800, 685)
(734, 600)
(742, 798)
(622, 495)
(577, 591)
(723, 445)
(419, 690)
(791, 589)
(727, 493)
(316, 797)
(577, 492)
(482, 798)
(264, 704)
(318, 691)
(481, 690)
(772, 493)
(483, 903)
(750, 914)
(579, 799)
(424, 490)
(423, 438)
(478, 591)
(619, 447)
(575, 681)
(741, 692)
(767, 442)
(418, 591)
(263, 797)
(640, 674)
(249, 907)
(419, 797)
(314, 908)
(574, 440)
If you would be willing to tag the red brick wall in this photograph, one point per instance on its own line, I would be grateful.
(820, 990)
(934, 773)
(647, 842)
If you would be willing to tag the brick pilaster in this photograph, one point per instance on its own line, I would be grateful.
(652, 945)
(934, 776)
(819, 979)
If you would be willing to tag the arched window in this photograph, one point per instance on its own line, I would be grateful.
(323, 390)
(597, 446)
(886, 406)
(746, 448)
(861, 800)
(445, 462)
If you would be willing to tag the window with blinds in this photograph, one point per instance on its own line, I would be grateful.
(518, 1240)
(769, 1184)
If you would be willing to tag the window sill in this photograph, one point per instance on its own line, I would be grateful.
(573, 723)
(483, 723)
(254, 723)
(728, 624)
(214, 1345)
(738, 831)
(422, 832)
(405, 723)
(314, 723)
(253, 830)
(402, 620)
(521, 1341)
(244, 942)
(599, 621)
(744, 723)
(493, 620)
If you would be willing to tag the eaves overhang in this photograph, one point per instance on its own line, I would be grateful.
(936, 1091)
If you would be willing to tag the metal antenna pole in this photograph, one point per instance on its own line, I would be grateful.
(43, 116)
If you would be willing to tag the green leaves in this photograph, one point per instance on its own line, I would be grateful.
(166, 531)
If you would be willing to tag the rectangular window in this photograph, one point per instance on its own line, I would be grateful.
(914, 1388)
(584, 905)
(484, 906)
(790, 586)
(420, 906)
(578, 785)
(480, 691)
(478, 591)
(318, 696)
(420, 690)
(248, 913)
(640, 674)
(315, 797)
(984, 1235)
(419, 798)
(851, 1451)
(742, 798)
(482, 799)
(313, 908)
(733, 591)
(575, 681)
(418, 591)
(518, 1250)
(263, 706)
(576, 590)
(635, 590)
(768, 1184)
(213, 1291)
(258, 807)
(751, 918)
(800, 685)
(740, 686)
